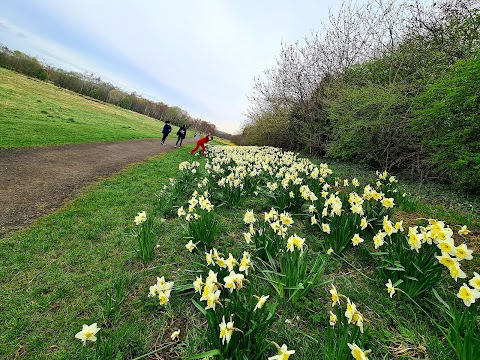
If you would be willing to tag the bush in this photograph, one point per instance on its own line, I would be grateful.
(447, 115)
(370, 125)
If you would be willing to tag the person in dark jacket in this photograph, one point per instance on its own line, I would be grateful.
(201, 142)
(166, 130)
(182, 132)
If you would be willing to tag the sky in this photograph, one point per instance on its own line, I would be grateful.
(200, 55)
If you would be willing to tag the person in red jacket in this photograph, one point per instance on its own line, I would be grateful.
(201, 142)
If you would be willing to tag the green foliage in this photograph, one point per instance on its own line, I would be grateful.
(369, 124)
(462, 327)
(290, 275)
(447, 115)
(415, 272)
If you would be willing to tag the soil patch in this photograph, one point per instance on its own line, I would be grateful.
(37, 181)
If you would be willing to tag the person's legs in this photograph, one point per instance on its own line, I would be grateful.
(194, 149)
(181, 140)
(203, 149)
(163, 138)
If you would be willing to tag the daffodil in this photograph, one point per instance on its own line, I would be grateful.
(357, 240)
(446, 260)
(363, 223)
(463, 230)
(175, 335)
(463, 253)
(249, 217)
(140, 218)
(283, 353)
(468, 295)
(390, 288)
(335, 296)
(333, 319)
(181, 212)
(447, 246)
(357, 353)
(245, 263)
(198, 284)
(330, 251)
(88, 333)
(475, 281)
(190, 246)
(261, 301)
(326, 228)
(226, 330)
(456, 272)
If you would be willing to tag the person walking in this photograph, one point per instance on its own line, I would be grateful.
(201, 143)
(182, 132)
(166, 130)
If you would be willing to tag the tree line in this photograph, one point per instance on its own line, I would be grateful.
(88, 84)
(392, 84)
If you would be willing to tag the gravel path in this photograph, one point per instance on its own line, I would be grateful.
(36, 181)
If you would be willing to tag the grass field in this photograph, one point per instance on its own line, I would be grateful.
(35, 113)
(80, 266)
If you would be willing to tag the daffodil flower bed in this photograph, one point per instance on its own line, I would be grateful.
(307, 207)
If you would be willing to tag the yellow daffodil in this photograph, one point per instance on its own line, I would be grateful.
(231, 262)
(363, 223)
(475, 281)
(447, 246)
(468, 295)
(446, 260)
(88, 333)
(463, 230)
(463, 253)
(140, 218)
(357, 353)
(249, 217)
(283, 353)
(379, 239)
(390, 288)
(333, 319)
(261, 301)
(456, 272)
(226, 330)
(326, 228)
(357, 240)
(175, 335)
(335, 296)
(190, 246)
(198, 284)
(245, 263)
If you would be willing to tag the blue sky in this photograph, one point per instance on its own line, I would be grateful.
(200, 55)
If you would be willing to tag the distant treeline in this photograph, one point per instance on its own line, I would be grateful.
(391, 84)
(88, 85)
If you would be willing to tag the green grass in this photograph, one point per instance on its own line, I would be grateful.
(35, 113)
(55, 275)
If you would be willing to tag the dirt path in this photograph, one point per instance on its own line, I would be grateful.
(36, 181)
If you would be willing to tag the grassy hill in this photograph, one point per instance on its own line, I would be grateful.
(35, 113)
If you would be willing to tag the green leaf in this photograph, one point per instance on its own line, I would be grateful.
(205, 354)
